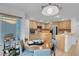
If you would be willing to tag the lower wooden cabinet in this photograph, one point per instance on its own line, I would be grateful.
(60, 42)
(47, 38)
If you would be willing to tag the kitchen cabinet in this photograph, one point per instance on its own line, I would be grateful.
(43, 26)
(48, 26)
(60, 42)
(64, 25)
(60, 25)
(33, 24)
(69, 25)
(46, 37)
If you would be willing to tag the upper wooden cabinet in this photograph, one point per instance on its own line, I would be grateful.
(48, 26)
(33, 24)
(41, 24)
(64, 24)
(60, 25)
(69, 25)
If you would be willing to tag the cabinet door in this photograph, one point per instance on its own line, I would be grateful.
(66, 25)
(33, 24)
(60, 42)
(69, 25)
(48, 26)
(60, 25)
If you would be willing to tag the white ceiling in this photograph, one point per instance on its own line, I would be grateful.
(34, 10)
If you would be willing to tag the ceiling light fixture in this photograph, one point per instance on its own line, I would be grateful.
(50, 9)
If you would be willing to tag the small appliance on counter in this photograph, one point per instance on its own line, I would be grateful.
(35, 42)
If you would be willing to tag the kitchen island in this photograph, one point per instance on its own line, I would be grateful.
(65, 41)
